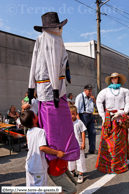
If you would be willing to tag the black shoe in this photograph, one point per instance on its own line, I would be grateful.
(93, 152)
(73, 174)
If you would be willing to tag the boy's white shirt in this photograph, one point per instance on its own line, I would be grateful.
(79, 127)
(36, 161)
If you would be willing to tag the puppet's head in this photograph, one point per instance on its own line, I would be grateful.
(50, 20)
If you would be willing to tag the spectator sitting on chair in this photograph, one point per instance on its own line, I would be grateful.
(70, 98)
(13, 115)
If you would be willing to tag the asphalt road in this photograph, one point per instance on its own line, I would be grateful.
(12, 173)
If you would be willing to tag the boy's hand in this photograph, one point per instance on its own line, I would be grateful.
(60, 154)
(48, 150)
(82, 146)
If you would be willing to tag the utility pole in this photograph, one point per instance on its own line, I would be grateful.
(98, 47)
(99, 4)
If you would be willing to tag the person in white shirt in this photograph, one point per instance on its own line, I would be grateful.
(85, 103)
(112, 156)
(79, 130)
(36, 164)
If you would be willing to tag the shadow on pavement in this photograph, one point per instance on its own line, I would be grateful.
(11, 176)
(7, 158)
(93, 175)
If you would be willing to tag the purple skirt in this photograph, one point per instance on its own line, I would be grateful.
(58, 125)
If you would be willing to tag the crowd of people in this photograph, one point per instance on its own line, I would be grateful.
(112, 155)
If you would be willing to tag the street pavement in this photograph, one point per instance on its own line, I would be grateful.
(12, 172)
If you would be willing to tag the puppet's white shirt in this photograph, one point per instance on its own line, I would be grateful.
(48, 62)
(114, 100)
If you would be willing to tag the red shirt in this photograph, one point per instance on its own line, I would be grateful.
(57, 167)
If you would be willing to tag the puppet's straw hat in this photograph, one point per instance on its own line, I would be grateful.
(50, 20)
(122, 78)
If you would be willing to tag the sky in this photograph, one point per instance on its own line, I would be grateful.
(19, 17)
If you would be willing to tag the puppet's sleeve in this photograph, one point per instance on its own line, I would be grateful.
(32, 81)
(68, 76)
(126, 99)
(99, 102)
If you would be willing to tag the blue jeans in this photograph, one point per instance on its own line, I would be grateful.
(88, 120)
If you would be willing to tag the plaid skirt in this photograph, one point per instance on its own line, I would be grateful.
(113, 148)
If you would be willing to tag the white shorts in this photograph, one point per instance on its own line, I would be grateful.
(81, 167)
(36, 179)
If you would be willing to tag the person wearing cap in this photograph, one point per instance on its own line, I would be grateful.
(48, 68)
(112, 155)
(85, 103)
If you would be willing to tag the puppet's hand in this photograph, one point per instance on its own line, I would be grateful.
(56, 98)
(116, 115)
(30, 94)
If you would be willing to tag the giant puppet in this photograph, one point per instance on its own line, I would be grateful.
(112, 155)
(48, 70)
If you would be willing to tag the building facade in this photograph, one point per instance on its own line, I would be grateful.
(15, 61)
(111, 60)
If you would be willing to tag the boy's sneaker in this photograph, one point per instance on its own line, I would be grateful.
(80, 178)
(73, 174)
